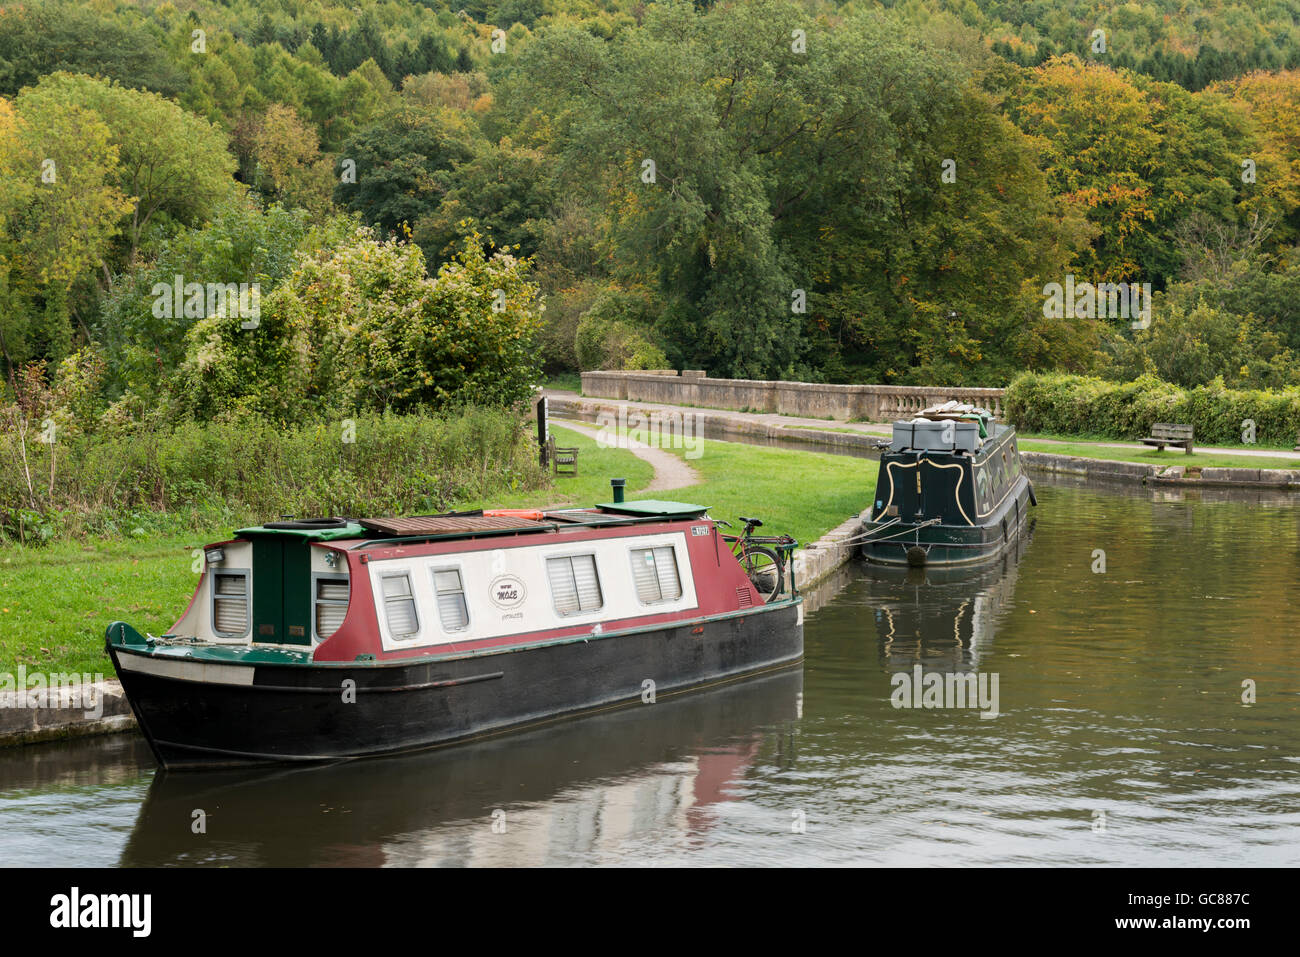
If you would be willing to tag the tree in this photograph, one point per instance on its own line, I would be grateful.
(1137, 156)
(289, 164)
(502, 189)
(785, 198)
(1191, 346)
(46, 37)
(61, 210)
(400, 161)
(1099, 145)
(242, 243)
(171, 163)
(1273, 101)
(614, 333)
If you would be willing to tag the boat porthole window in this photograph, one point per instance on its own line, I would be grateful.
(453, 613)
(654, 570)
(399, 606)
(331, 605)
(575, 585)
(230, 604)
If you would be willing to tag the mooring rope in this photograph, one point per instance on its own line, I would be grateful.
(866, 538)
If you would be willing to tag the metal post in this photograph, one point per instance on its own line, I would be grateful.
(541, 430)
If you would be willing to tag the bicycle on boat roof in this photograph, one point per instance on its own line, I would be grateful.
(764, 566)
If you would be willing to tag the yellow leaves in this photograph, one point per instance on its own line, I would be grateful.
(8, 123)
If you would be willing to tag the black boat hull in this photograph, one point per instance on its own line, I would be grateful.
(329, 712)
(908, 543)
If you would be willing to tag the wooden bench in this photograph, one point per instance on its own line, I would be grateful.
(564, 461)
(1166, 433)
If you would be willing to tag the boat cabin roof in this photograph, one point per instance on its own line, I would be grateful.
(473, 524)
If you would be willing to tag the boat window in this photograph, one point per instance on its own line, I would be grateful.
(574, 584)
(452, 610)
(399, 606)
(230, 604)
(331, 605)
(655, 573)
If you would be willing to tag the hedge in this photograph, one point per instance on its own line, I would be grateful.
(1082, 405)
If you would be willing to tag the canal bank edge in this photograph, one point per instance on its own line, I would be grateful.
(1177, 475)
(21, 723)
(725, 425)
(814, 562)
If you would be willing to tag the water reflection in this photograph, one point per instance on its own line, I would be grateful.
(572, 791)
(943, 619)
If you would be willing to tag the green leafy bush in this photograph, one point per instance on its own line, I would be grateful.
(1082, 405)
(615, 333)
(359, 327)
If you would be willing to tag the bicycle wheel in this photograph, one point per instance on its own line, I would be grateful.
(764, 571)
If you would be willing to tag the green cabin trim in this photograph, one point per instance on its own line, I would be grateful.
(655, 507)
(350, 530)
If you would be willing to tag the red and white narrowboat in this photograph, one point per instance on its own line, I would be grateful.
(334, 638)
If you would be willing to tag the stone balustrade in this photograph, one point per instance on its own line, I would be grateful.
(869, 403)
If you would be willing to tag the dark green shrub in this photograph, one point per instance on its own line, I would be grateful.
(1082, 405)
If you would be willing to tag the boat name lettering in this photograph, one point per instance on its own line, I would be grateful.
(507, 591)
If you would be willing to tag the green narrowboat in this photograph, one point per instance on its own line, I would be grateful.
(951, 491)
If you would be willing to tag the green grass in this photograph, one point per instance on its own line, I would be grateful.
(56, 600)
(737, 479)
(596, 466)
(804, 494)
(1167, 457)
(1092, 437)
(822, 428)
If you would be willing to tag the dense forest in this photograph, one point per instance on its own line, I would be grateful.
(436, 202)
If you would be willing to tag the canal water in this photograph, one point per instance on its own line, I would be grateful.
(1143, 647)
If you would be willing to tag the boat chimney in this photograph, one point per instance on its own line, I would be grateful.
(618, 489)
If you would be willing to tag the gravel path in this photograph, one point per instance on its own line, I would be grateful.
(670, 471)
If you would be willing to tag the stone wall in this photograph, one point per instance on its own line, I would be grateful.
(871, 403)
(23, 723)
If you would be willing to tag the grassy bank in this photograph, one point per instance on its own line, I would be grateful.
(1167, 457)
(56, 599)
(804, 494)
(1091, 439)
(1088, 449)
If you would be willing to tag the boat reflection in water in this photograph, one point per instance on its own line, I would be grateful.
(556, 795)
(943, 619)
